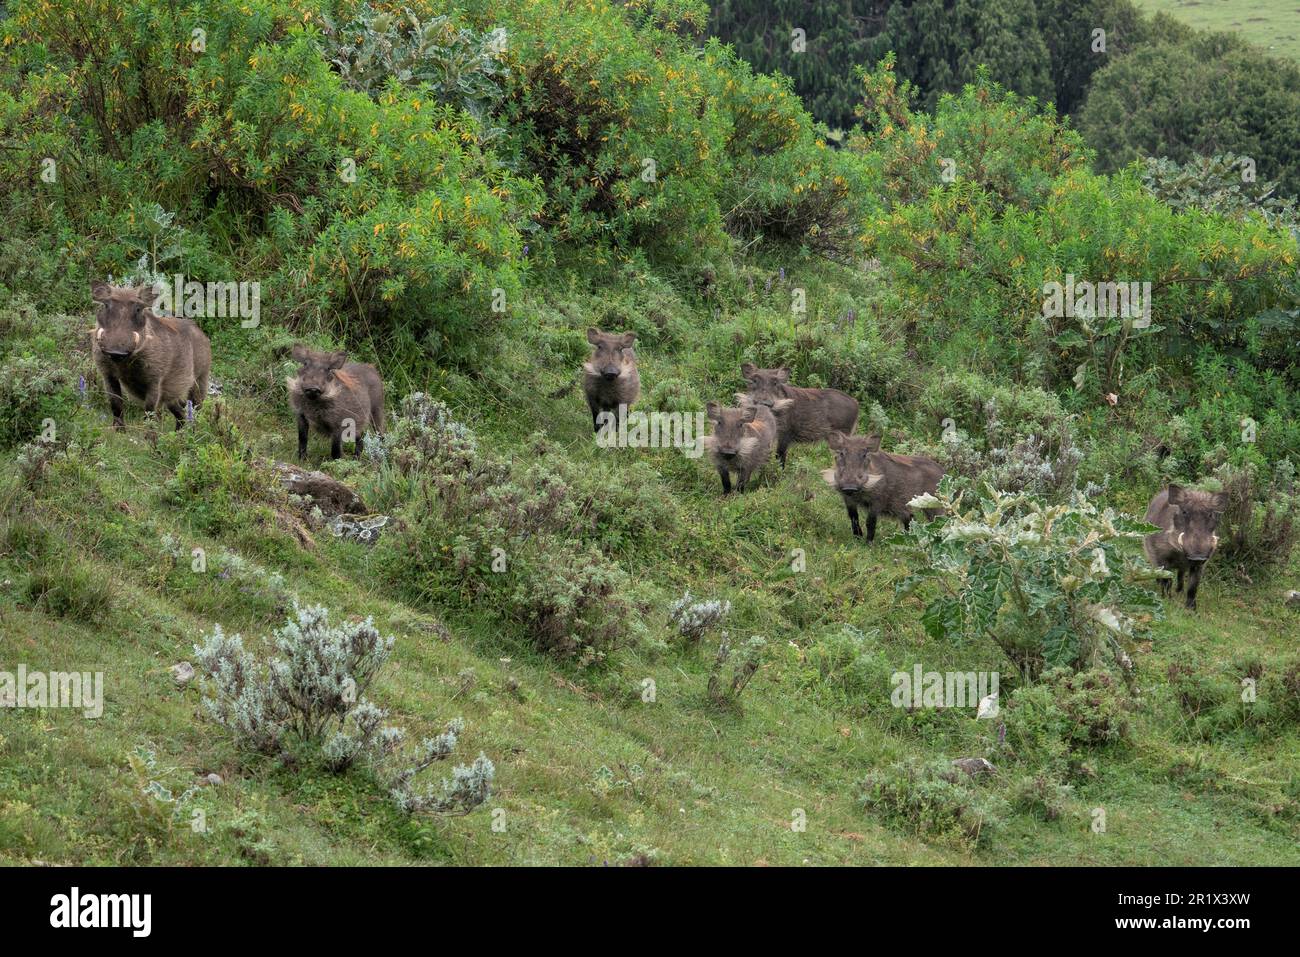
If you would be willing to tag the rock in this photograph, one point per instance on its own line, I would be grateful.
(975, 767)
(1293, 598)
(182, 674)
(213, 779)
(363, 529)
(330, 495)
(988, 706)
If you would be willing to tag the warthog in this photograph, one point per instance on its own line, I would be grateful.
(802, 415)
(610, 379)
(159, 361)
(338, 398)
(1188, 519)
(881, 483)
(741, 441)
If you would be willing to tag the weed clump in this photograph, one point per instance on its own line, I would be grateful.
(934, 799)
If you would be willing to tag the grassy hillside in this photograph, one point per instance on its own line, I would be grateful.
(587, 772)
(1272, 24)
(459, 196)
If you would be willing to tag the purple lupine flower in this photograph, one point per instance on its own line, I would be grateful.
(783, 274)
(189, 410)
(81, 388)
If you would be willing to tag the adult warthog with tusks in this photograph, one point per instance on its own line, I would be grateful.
(160, 361)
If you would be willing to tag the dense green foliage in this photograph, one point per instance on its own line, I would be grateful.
(1183, 93)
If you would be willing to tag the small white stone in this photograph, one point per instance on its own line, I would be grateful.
(183, 673)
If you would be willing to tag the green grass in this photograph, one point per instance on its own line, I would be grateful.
(587, 773)
(1271, 24)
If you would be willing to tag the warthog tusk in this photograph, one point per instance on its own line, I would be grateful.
(1180, 541)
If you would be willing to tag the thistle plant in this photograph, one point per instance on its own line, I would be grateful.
(1051, 585)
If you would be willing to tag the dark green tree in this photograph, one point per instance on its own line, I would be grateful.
(1199, 93)
(838, 35)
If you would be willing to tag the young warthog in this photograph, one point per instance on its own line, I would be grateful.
(881, 483)
(609, 377)
(802, 415)
(339, 398)
(1189, 519)
(741, 441)
(159, 361)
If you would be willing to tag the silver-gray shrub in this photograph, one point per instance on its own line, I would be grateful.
(694, 619)
(312, 692)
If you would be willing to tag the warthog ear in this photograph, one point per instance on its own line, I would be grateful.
(100, 291)
(872, 443)
(336, 360)
(1220, 501)
(835, 440)
(783, 374)
(747, 369)
(593, 335)
(713, 411)
(750, 412)
(1176, 494)
(299, 352)
(780, 405)
(628, 339)
(148, 295)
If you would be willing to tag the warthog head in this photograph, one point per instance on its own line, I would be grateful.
(1196, 517)
(855, 470)
(610, 357)
(733, 429)
(316, 376)
(766, 386)
(121, 318)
